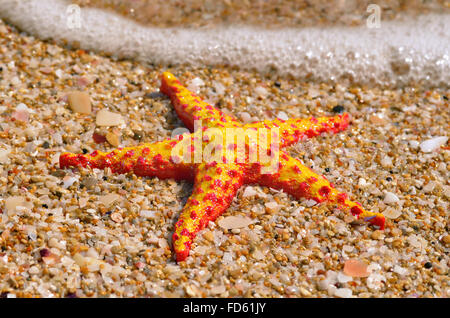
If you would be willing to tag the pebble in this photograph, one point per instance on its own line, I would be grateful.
(282, 115)
(249, 192)
(79, 102)
(117, 217)
(107, 118)
(4, 155)
(338, 109)
(414, 144)
(392, 213)
(113, 139)
(33, 270)
(356, 268)
(343, 292)
(89, 182)
(446, 239)
(12, 202)
(390, 198)
(342, 278)
(432, 144)
(400, 270)
(261, 91)
(109, 199)
(377, 235)
(272, 207)
(376, 120)
(147, 214)
(245, 117)
(234, 222)
(195, 84)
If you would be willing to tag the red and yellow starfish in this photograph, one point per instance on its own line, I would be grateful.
(217, 180)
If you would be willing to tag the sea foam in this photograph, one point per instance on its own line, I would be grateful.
(396, 54)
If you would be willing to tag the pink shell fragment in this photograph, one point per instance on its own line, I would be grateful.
(355, 268)
(21, 115)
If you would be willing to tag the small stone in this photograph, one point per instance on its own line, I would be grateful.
(446, 239)
(432, 144)
(89, 182)
(249, 192)
(138, 135)
(33, 270)
(117, 217)
(234, 222)
(107, 118)
(429, 187)
(261, 91)
(338, 109)
(304, 292)
(282, 115)
(147, 214)
(218, 290)
(109, 199)
(113, 139)
(195, 84)
(4, 155)
(209, 236)
(377, 235)
(245, 117)
(12, 202)
(390, 197)
(414, 144)
(342, 278)
(80, 102)
(392, 213)
(400, 270)
(343, 292)
(272, 207)
(374, 119)
(428, 265)
(98, 139)
(356, 268)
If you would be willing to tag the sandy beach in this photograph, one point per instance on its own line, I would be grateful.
(91, 233)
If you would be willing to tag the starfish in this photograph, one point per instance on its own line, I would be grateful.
(231, 164)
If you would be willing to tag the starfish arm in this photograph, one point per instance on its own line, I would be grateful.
(153, 160)
(189, 107)
(215, 186)
(293, 130)
(300, 181)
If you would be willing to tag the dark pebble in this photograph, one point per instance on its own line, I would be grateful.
(154, 95)
(44, 252)
(338, 109)
(105, 178)
(428, 265)
(138, 135)
(46, 145)
(389, 179)
(85, 151)
(445, 97)
(327, 169)
(45, 206)
(277, 84)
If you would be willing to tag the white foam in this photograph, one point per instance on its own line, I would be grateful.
(395, 54)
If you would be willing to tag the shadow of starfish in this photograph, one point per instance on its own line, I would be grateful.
(217, 180)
